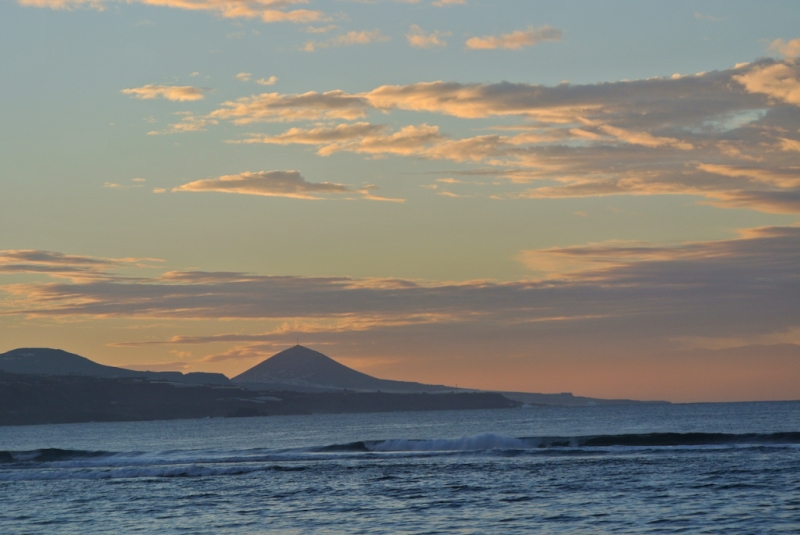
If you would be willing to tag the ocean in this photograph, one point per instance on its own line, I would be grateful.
(688, 468)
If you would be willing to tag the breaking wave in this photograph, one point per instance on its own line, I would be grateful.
(490, 441)
(50, 455)
(53, 463)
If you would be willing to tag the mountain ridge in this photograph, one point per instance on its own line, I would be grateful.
(296, 369)
(57, 362)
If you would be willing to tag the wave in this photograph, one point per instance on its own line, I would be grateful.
(134, 472)
(481, 442)
(54, 463)
(48, 455)
(490, 441)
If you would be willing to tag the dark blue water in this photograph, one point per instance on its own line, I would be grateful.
(709, 468)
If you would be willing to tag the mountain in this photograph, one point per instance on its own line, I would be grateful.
(297, 369)
(46, 361)
(301, 368)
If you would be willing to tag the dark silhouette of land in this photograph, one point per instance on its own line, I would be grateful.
(301, 368)
(43, 399)
(46, 361)
(42, 385)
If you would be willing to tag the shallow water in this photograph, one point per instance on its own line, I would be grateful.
(705, 468)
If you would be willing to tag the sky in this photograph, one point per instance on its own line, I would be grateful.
(592, 197)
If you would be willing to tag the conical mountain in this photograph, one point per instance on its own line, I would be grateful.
(301, 367)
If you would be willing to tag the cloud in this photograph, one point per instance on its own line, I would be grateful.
(320, 136)
(177, 365)
(790, 144)
(244, 76)
(267, 81)
(320, 29)
(443, 3)
(778, 202)
(418, 38)
(276, 184)
(266, 183)
(169, 92)
(362, 138)
(74, 267)
(188, 123)
(645, 139)
(137, 183)
(724, 136)
(787, 49)
(515, 40)
(742, 287)
(266, 10)
(273, 107)
(99, 5)
(778, 81)
(348, 39)
(604, 308)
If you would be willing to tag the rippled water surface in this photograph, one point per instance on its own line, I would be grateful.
(709, 468)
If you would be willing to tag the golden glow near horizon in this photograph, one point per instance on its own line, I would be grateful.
(546, 198)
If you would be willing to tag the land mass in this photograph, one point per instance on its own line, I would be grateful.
(40, 399)
(42, 385)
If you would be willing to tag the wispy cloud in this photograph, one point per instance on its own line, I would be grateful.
(267, 81)
(364, 37)
(788, 49)
(275, 184)
(362, 138)
(266, 183)
(187, 123)
(515, 40)
(739, 287)
(418, 38)
(170, 92)
(274, 107)
(77, 268)
(65, 4)
(265, 10)
(727, 136)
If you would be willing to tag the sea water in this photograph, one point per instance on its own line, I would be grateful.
(696, 468)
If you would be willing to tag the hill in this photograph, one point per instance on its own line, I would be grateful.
(46, 361)
(301, 368)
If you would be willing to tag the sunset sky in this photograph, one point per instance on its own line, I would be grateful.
(592, 197)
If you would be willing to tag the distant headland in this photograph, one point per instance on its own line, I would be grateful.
(43, 385)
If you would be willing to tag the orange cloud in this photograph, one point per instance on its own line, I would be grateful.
(714, 135)
(515, 40)
(266, 10)
(65, 4)
(272, 107)
(170, 92)
(266, 183)
(788, 49)
(779, 81)
(348, 39)
(276, 184)
(418, 38)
